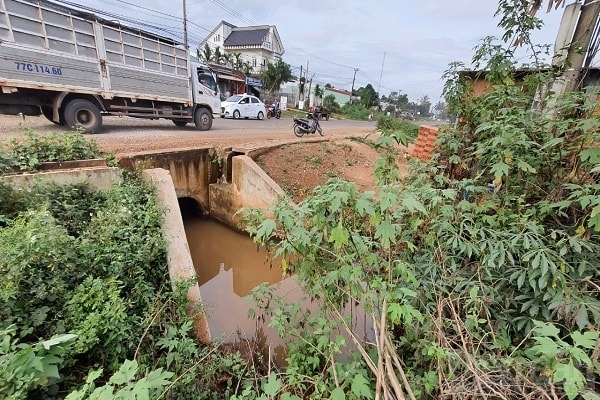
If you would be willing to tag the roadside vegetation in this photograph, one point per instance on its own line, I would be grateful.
(86, 306)
(478, 270)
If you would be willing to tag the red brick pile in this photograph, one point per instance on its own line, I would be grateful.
(425, 143)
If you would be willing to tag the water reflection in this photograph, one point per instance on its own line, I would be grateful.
(229, 266)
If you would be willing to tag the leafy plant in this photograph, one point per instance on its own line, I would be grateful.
(24, 367)
(34, 149)
(565, 359)
(466, 264)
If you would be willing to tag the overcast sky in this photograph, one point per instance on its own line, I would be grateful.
(396, 45)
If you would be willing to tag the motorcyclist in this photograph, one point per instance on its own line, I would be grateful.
(275, 106)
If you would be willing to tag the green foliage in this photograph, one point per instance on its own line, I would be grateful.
(355, 111)
(404, 132)
(24, 367)
(564, 359)
(65, 146)
(90, 267)
(330, 104)
(478, 268)
(8, 161)
(276, 74)
(124, 384)
(368, 96)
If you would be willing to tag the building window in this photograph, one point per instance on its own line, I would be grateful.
(254, 61)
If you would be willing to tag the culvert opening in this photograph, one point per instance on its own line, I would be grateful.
(190, 208)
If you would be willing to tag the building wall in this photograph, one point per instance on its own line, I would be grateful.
(340, 98)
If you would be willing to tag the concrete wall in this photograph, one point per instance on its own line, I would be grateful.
(250, 187)
(192, 170)
(97, 178)
(179, 259)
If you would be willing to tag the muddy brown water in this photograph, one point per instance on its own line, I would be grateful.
(229, 265)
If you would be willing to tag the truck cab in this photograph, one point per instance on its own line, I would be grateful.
(204, 87)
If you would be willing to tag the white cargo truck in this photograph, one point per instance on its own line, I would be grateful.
(75, 67)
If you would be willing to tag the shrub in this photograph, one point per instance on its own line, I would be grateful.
(28, 154)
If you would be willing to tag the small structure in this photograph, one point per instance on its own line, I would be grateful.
(341, 96)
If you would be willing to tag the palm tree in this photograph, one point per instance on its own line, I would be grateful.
(275, 74)
(217, 55)
(246, 67)
(238, 62)
(206, 53)
(228, 59)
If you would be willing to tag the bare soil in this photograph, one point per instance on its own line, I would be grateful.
(299, 168)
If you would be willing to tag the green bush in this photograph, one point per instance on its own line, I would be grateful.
(479, 269)
(84, 291)
(29, 153)
(404, 132)
(355, 111)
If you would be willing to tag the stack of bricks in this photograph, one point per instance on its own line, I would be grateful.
(425, 143)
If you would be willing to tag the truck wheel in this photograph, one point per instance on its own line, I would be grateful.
(47, 112)
(203, 119)
(83, 114)
(180, 122)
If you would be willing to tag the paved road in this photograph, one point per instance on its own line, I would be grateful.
(126, 135)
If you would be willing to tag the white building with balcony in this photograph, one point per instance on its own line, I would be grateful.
(256, 45)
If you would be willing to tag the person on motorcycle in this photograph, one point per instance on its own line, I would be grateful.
(275, 106)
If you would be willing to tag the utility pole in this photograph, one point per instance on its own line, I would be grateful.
(301, 85)
(185, 32)
(352, 90)
(381, 75)
(309, 88)
(586, 24)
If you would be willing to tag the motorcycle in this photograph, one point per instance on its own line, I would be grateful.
(271, 113)
(304, 126)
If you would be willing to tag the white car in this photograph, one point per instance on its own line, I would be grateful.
(243, 106)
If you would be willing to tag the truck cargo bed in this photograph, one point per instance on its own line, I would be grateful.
(50, 47)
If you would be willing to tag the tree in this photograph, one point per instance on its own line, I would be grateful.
(441, 109)
(424, 106)
(206, 54)
(330, 104)
(368, 96)
(319, 91)
(518, 20)
(217, 55)
(237, 61)
(275, 74)
(228, 59)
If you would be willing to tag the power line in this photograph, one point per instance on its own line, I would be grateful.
(232, 11)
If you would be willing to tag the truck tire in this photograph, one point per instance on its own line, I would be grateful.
(81, 113)
(47, 112)
(203, 119)
(180, 122)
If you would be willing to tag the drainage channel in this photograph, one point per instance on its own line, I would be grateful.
(228, 267)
